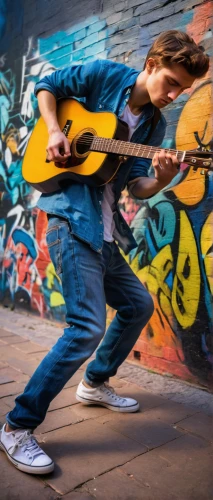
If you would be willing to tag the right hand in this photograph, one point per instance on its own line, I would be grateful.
(58, 147)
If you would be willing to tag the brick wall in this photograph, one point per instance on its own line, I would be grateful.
(173, 229)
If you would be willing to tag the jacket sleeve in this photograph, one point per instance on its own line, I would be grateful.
(140, 167)
(76, 81)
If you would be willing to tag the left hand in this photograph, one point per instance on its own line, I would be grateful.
(165, 166)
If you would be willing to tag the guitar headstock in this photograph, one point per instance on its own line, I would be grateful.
(200, 158)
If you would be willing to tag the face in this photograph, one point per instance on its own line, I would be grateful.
(165, 84)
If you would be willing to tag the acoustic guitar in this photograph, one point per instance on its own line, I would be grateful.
(98, 145)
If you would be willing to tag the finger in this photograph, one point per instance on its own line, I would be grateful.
(164, 159)
(49, 154)
(155, 160)
(175, 161)
(66, 147)
(171, 161)
(57, 156)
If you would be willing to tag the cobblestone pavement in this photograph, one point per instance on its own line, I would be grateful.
(46, 334)
(162, 452)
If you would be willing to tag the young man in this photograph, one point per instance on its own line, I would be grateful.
(83, 225)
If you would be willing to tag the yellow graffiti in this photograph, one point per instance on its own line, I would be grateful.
(154, 277)
(186, 285)
(56, 298)
(207, 249)
(192, 190)
(196, 116)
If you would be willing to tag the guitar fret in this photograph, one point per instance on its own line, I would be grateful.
(130, 149)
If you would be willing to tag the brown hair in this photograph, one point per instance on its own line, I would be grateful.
(177, 47)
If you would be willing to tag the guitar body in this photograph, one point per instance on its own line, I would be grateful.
(79, 126)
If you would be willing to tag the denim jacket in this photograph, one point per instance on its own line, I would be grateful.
(104, 86)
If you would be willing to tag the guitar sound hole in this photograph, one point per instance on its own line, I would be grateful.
(83, 143)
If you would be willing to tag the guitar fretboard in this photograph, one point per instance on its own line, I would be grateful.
(102, 145)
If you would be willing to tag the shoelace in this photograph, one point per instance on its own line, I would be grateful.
(110, 391)
(27, 443)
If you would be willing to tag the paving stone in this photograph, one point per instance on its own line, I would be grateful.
(12, 388)
(181, 469)
(141, 428)
(115, 485)
(13, 339)
(145, 399)
(91, 411)
(117, 382)
(5, 378)
(84, 451)
(16, 485)
(65, 398)
(27, 367)
(78, 495)
(8, 400)
(4, 409)
(5, 333)
(26, 363)
(9, 353)
(199, 424)
(58, 418)
(9, 374)
(171, 412)
(30, 347)
(3, 365)
(169, 387)
(5, 352)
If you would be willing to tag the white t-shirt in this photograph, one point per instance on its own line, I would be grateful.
(108, 195)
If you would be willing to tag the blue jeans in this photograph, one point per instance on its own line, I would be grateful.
(89, 281)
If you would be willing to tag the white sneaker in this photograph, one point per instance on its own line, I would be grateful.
(24, 452)
(104, 395)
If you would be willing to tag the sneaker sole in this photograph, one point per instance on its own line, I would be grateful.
(46, 469)
(125, 409)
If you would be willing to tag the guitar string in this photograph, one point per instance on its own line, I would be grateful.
(135, 146)
(130, 146)
(127, 144)
(98, 139)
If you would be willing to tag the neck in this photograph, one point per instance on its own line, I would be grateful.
(139, 95)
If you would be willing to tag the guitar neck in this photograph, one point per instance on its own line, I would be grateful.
(122, 148)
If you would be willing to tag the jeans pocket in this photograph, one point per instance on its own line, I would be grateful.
(52, 236)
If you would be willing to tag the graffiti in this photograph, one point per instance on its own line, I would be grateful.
(174, 260)
(22, 279)
(27, 277)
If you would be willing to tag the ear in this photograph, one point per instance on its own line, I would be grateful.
(150, 65)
